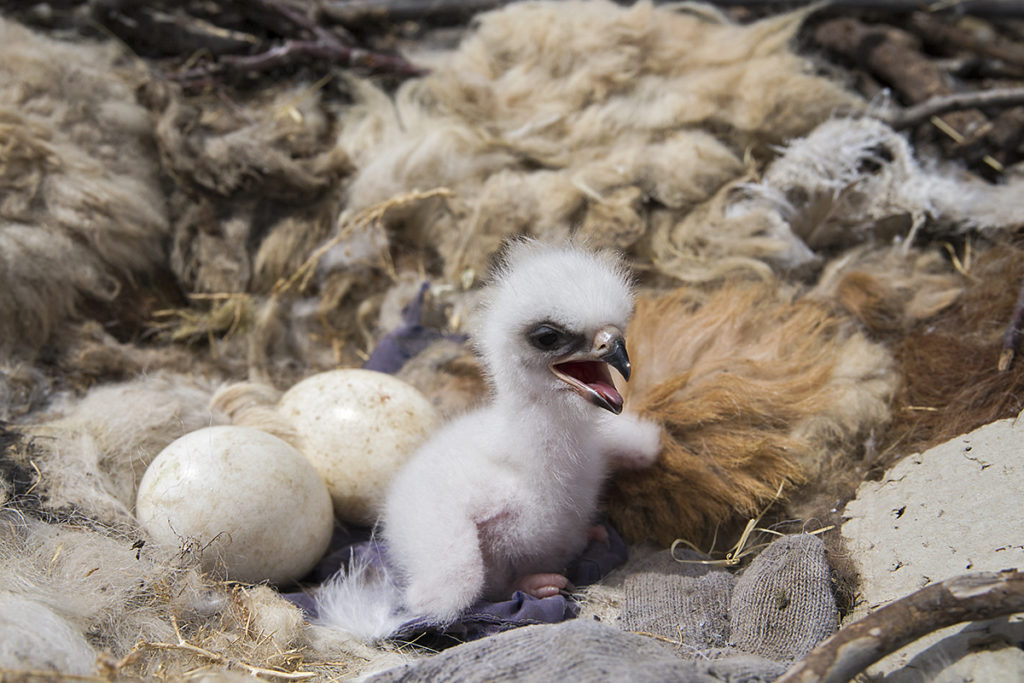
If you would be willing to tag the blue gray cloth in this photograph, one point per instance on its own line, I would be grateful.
(408, 339)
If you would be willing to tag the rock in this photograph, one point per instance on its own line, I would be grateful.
(955, 509)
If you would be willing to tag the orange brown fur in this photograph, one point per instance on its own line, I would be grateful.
(888, 290)
(754, 390)
(872, 301)
(949, 361)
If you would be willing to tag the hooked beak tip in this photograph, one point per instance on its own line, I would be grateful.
(611, 406)
(617, 357)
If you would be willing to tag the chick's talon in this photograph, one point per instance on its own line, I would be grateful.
(543, 585)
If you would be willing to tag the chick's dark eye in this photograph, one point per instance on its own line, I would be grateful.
(545, 337)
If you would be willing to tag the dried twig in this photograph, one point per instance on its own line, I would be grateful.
(184, 646)
(980, 8)
(945, 34)
(998, 97)
(972, 597)
(368, 216)
(740, 550)
(168, 32)
(271, 12)
(322, 45)
(1013, 334)
(888, 53)
(354, 13)
(357, 12)
(223, 661)
(295, 51)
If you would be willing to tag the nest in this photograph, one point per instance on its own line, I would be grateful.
(816, 301)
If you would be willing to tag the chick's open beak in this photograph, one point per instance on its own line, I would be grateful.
(587, 372)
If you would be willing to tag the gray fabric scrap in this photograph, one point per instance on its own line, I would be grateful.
(703, 625)
(782, 605)
(577, 650)
(779, 608)
(734, 666)
(685, 602)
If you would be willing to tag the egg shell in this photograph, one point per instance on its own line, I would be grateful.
(358, 427)
(252, 502)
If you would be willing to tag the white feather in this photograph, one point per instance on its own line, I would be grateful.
(362, 600)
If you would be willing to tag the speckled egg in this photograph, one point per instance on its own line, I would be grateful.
(252, 503)
(358, 428)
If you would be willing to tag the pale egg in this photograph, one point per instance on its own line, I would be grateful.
(248, 502)
(358, 427)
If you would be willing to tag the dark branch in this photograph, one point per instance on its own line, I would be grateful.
(946, 34)
(1014, 332)
(358, 13)
(447, 12)
(323, 45)
(999, 97)
(269, 13)
(978, 8)
(972, 597)
(293, 51)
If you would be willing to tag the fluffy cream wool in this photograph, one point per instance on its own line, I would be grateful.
(81, 209)
(81, 577)
(855, 179)
(558, 114)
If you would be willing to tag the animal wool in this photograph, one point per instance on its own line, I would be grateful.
(81, 210)
(889, 289)
(628, 126)
(855, 178)
(950, 361)
(847, 182)
(78, 597)
(92, 453)
(240, 169)
(754, 389)
(80, 578)
(581, 113)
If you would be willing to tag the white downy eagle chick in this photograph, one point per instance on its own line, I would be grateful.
(503, 497)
